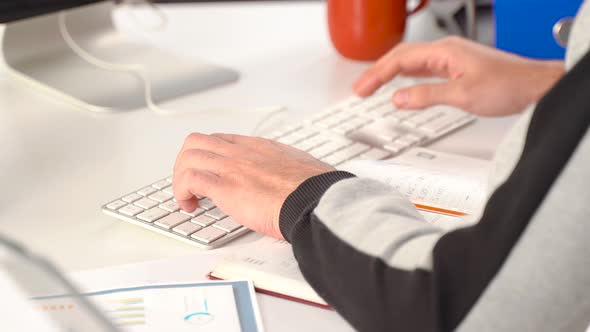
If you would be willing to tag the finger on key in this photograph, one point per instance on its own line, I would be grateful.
(191, 182)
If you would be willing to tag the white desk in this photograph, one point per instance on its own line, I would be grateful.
(58, 164)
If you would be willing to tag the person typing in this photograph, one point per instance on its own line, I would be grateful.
(365, 248)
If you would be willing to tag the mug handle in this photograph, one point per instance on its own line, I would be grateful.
(420, 6)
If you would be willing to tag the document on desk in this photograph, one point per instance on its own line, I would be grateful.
(205, 306)
(436, 182)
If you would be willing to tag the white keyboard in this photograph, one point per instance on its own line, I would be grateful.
(369, 128)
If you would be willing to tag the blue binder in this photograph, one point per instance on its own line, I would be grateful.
(525, 27)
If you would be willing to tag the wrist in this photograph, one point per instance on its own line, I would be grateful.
(544, 76)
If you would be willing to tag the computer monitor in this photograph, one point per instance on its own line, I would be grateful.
(72, 50)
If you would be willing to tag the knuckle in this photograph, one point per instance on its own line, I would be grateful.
(193, 138)
(450, 40)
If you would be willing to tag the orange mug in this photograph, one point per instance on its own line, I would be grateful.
(367, 29)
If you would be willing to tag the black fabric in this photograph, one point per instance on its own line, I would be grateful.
(375, 297)
(12, 10)
(297, 206)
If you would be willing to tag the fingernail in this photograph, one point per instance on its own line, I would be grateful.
(401, 98)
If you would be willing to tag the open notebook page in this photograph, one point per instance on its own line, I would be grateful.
(431, 178)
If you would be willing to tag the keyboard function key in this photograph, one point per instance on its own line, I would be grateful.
(153, 214)
(147, 191)
(208, 235)
(131, 210)
(116, 205)
(161, 196)
(204, 220)
(172, 220)
(146, 203)
(186, 228)
(228, 225)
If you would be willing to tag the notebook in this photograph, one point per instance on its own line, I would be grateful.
(446, 189)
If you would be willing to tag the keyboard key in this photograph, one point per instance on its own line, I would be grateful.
(131, 210)
(346, 154)
(306, 145)
(382, 111)
(345, 129)
(208, 235)
(227, 225)
(132, 198)
(326, 149)
(409, 139)
(390, 135)
(146, 203)
(204, 220)
(441, 123)
(170, 206)
(153, 214)
(206, 204)
(147, 191)
(195, 213)
(169, 190)
(186, 228)
(395, 147)
(216, 213)
(169, 179)
(161, 184)
(375, 154)
(172, 220)
(404, 115)
(305, 132)
(116, 205)
(289, 139)
(161, 196)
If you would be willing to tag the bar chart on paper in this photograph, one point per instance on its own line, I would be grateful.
(201, 308)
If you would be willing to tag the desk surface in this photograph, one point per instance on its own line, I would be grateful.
(58, 164)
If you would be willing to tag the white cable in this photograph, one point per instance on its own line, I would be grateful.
(137, 70)
(140, 72)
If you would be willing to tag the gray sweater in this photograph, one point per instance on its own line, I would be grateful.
(540, 282)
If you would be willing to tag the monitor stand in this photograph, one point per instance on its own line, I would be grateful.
(35, 52)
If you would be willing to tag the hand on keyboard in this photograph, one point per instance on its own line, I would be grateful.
(481, 80)
(355, 128)
(248, 178)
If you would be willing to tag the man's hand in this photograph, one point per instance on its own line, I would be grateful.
(248, 178)
(481, 80)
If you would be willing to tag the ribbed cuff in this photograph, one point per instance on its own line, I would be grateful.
(300, 203)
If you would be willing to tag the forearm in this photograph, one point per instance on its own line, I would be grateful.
(365, 249)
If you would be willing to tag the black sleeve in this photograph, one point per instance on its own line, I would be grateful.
(373, 296)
